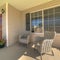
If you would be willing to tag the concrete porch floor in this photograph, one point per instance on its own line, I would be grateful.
(20, 52)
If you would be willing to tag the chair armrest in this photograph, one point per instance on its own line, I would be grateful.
(28, 38)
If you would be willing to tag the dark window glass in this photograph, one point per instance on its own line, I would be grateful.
(28, 21)
(57, 28)
(45, 28)
(48, 20)
(57, 19)
(50, 11)
(51, 28)
(57, 22)
(45, 12)
(57, 9)
(57, 16)
(51, 20)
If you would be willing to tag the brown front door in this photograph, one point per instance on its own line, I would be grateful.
(0, 26)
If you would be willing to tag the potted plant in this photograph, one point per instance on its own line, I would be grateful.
(2, 43)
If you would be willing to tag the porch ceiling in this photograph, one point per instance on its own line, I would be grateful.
(24, 4)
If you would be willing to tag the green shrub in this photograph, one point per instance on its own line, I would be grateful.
(2, 41)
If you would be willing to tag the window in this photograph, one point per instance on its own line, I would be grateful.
(36, 21)
(49, 19)
(57, 19)
(52, 19)
(28, 21)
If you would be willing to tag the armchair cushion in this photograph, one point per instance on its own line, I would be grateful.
(24, 36)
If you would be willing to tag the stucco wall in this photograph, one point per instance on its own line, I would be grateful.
(14, 24)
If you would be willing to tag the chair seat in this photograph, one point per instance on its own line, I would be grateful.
(23, 41)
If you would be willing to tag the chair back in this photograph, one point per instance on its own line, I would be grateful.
(49, 34)
(46, 46)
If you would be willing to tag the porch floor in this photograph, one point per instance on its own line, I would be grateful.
(21, 52)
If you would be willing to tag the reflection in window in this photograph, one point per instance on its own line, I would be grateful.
(36, 21)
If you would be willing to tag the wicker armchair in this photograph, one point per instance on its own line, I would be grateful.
(45, 43)
(24, 38)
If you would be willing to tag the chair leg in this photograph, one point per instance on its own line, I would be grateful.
(41, 56)
(52, 52)
(27, 46)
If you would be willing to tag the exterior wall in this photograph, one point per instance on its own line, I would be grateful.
(42, 7)
(14, 24)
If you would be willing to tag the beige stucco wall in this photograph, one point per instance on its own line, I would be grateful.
(42, 7)
(3, 21)
(14, 24)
